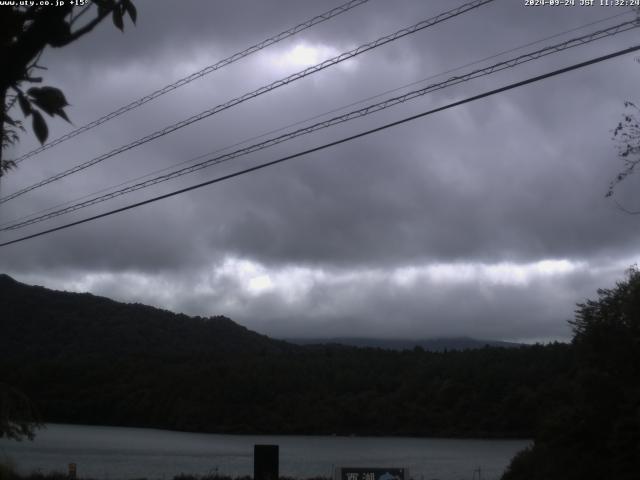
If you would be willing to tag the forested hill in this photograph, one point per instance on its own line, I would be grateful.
(87, 359)
(430, 344)
(51, 324)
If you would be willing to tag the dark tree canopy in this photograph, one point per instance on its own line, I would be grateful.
(627, 136)
(25, 31)
(91, 360)
(18, 415)
(596, 433)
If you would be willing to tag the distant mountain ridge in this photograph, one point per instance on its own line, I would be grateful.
(428, 344)
(44, 322)
(48, 323)
(90, 360)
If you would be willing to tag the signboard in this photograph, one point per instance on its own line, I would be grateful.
(348, 473)
(266, 462)
(72, 471)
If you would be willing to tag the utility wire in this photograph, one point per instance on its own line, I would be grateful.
(279, 83)
(308, 119)
(334, 143)
(335, 120)
(201, 73)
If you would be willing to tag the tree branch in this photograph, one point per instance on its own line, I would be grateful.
(626, 210)
(89, 26)
(82, 12)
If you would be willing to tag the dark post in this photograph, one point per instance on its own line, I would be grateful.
(265, 462)
(72, 471)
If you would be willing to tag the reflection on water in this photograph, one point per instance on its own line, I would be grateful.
(112, 453)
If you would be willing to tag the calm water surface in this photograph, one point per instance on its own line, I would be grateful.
(113, 453)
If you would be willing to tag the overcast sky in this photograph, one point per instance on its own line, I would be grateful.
(486, 220)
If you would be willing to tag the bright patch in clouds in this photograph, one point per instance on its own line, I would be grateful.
(252, 277)
(304, 55)
(430, 299)
(504, 273)
(292, 283)
(498, 273)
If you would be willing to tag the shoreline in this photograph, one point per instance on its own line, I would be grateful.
(292, 435)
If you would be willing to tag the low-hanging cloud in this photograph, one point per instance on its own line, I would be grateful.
(441, 227)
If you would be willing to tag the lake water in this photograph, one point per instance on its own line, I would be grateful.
(112, 453)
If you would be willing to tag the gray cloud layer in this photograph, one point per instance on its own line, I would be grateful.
(504, 183)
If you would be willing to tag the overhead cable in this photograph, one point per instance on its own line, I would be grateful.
(331, 144)
(334, 121)
(279, 83)
(201, 73)
(308, 119)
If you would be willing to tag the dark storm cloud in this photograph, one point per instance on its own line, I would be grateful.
(381, 201)
(516, 178)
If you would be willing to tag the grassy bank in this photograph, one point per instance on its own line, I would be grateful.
(8, 472)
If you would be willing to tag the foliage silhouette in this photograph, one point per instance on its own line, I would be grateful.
(25, 31)
(18, 414)
(627, 136)
(596, 432)
(91, 360)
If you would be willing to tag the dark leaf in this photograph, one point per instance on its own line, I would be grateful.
(9, 120)
(104, 6)
(62, 113)
(117, 19)
(25, 106)
(6, 165)
(130, 9)
(50, 100)
(59, 33)
(40, 126)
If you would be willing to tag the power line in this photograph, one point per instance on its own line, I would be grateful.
(279, 83)
(201, 73)
(336, 120)
(314, 117)
(455, 69)
(625, 26)
(334, 143)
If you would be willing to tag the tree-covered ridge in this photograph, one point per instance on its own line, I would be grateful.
(439, 344)
(595, 432)
(481, 393)
(88, 359)
(42, 323)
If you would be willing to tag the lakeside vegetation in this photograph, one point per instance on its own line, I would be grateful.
(594, 433)
(579, 401)
(8, 472)
(89, 360)
(323, 391)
